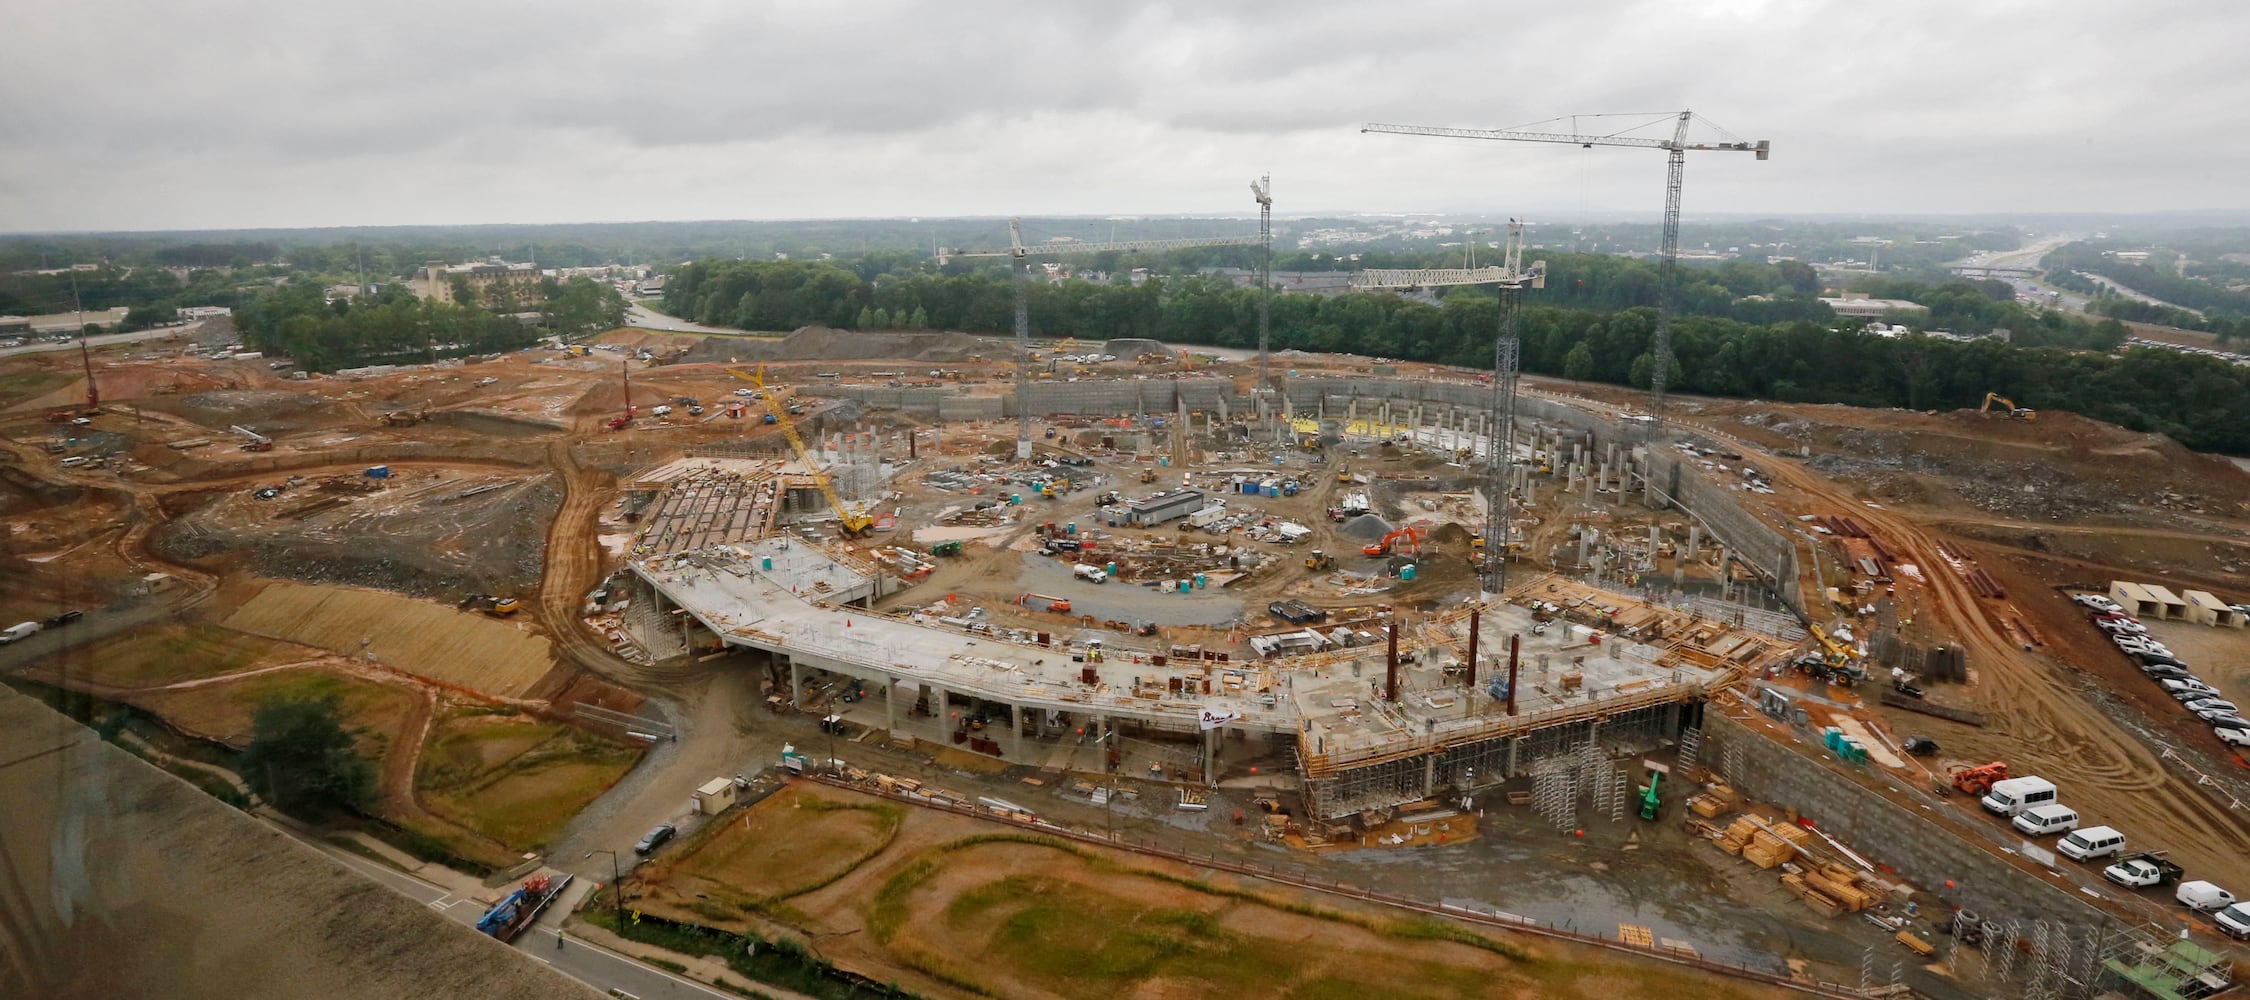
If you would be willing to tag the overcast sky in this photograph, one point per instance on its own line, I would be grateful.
(157, 114)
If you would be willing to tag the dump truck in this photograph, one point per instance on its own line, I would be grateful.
(517, 910)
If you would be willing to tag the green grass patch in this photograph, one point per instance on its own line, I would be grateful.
(168, 654)
(18, 386)
(518, 782)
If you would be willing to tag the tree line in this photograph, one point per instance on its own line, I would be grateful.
(395, 326)
(2225, 311)
(2052, 360)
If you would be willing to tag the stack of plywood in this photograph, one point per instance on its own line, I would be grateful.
(1771, 845)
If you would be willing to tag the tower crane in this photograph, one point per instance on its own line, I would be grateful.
(1511, 278)
(853, 521)
(1022, 255)
(1676, 149)
(1262, 190)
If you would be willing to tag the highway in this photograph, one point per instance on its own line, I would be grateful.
(2030, 289)
(102, 340)
(645, 318)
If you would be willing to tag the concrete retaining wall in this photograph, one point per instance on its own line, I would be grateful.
(1883, 831)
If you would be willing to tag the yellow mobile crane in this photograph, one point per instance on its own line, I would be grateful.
(854, 522)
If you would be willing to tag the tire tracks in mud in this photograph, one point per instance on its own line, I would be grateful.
(2039, 722)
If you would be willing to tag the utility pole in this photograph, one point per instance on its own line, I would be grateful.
(616, 888)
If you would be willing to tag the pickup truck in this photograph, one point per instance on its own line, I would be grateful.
(2143, 870)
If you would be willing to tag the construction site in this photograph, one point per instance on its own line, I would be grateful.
(1435, 626)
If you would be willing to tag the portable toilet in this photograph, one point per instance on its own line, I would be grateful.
(1406, 573)
(378, 472)
(1110, 568)
(1199, 581)
(766, 563)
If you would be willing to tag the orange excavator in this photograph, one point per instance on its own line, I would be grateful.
(1977, 780)
(1404, 541)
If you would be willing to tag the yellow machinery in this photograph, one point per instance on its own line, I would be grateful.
(1836, 660)
(854, 522)
(1320, 561)
(1344, 475)
(2017, 412)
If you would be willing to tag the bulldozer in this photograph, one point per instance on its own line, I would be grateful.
(1976, 780)
(2008, 406)
(497, 607)
(1320, 561)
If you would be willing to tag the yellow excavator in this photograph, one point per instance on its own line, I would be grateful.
(853, 520)
(2007, 406)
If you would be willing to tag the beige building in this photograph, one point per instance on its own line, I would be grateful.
(437, 279)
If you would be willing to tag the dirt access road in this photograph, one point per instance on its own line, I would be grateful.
(2038, 722)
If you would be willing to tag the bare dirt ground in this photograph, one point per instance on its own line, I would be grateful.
(2049, 709)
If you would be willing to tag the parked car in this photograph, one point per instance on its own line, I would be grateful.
(655, 839)
(2142, 870)
(2230, 734)
(2094, 601)
(2229, 722)
(2188, 688)
(65, 618)
(2165, 672)
(2211, 708)
(2203, 896)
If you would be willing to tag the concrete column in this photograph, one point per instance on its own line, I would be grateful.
(1515, 748)
(938, 701)
(1589, 489)
(1601, 478)
(796, 684)
(890, 703)
(1429, 775)
(1530, 491)
(1694, 539)
(1211, 756)
(1015, 719)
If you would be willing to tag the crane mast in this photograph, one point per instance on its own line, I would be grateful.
(1510, 278)
(1262, 190)
(1021, 255)
(853, 521)
(1668, 256)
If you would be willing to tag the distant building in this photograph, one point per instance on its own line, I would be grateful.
(438, 278)
(193, 313)
(1858, 305)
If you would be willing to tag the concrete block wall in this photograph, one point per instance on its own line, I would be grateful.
(1885, 832)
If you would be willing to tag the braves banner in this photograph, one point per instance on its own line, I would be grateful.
(1213, 720)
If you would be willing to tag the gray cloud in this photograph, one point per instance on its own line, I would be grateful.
(147, 114)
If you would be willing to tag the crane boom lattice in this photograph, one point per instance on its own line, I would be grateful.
(1676, 147)
(853, 521)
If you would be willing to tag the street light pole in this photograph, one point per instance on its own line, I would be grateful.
(616, 888)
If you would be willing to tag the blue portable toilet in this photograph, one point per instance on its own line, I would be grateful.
(1406, 573)
(1199, 581)
(378, 472)
(766, 563)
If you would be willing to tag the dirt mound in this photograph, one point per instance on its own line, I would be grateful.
(265, 409)
(1129, 348)
(1450, 535)
(819, 343)
(1367, 527)
(492, 424)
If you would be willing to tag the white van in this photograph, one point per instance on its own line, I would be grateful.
(17, 631)
(2204, 896)
(2015, 795)
(2234, 920)
(2039, 821)
(74, 461)
(2091, 842)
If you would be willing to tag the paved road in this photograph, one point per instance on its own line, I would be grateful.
(641, 316)
(2031, 289)
(589, 963)
(103, 340)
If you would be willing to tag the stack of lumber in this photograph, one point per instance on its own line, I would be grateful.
(1737, 834)
(1771, 846)
(1715, 801)
(1811, 896)
(1834, 889)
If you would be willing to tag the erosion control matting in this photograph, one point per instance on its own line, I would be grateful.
(461, 648)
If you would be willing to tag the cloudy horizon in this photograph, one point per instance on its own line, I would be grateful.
(129, 115)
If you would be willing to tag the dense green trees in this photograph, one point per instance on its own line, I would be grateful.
(394, 326)
(303, 760)
(2055, 360)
